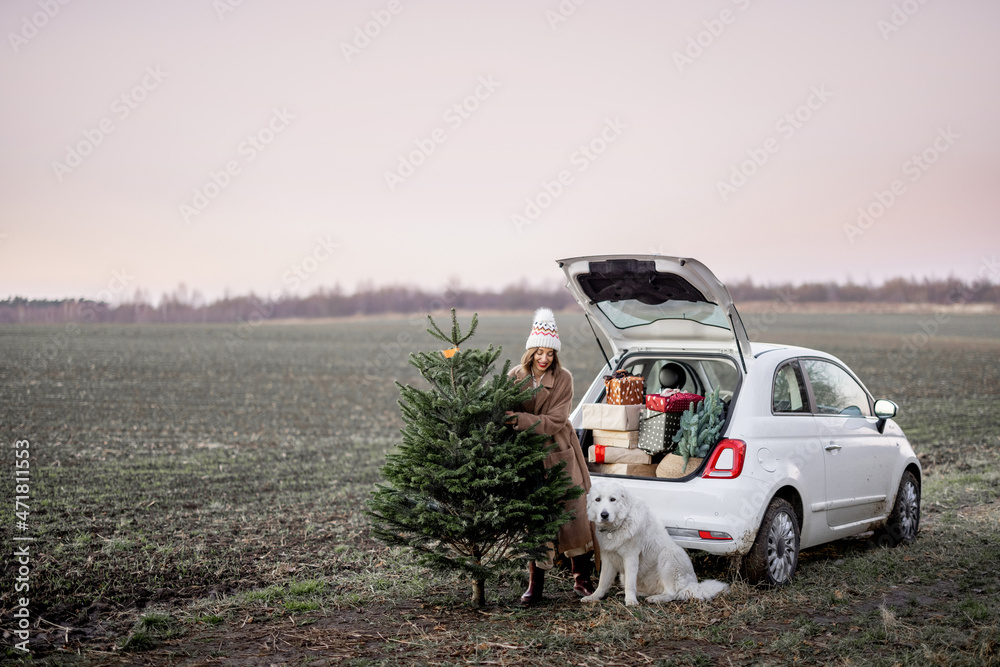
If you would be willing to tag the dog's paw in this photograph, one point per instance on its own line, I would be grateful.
(660, 599)
(590, 598)
(631, 603)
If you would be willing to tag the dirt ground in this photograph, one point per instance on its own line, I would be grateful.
(433, 631)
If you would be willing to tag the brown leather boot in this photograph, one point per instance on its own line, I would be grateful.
(536, 581)
(582, 567)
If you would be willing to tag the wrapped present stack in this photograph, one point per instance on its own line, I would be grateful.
(615, 429)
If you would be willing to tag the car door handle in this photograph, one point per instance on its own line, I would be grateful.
(833, 447)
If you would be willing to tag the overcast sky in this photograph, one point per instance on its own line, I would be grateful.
(287, 146)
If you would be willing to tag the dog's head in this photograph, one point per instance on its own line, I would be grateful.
(607, 504)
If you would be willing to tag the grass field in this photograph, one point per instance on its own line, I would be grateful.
(196, 497)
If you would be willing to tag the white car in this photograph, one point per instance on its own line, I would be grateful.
(805, 456)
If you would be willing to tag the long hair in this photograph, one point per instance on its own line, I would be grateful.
(529, 354)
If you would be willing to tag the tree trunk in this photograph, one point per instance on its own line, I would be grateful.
(479, 592)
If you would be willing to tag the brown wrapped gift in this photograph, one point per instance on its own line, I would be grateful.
(624, 389)
(602, 454)
(637, 469)
(626, 439)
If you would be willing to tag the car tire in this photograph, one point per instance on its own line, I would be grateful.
(775, 553)
(904, 521)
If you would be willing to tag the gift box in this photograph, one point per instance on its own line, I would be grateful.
(675, 402)
(626, 439)
(610, 417)
(602, 454)
(636, 469)
(672, 466)
(656, 431)
(623, 388)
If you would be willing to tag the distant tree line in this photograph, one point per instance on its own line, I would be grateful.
(369, 300)
(895, 290)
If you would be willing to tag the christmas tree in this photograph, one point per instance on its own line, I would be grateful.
(465, 491)
(700, 426)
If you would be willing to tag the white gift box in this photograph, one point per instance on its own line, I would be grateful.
(611, 417)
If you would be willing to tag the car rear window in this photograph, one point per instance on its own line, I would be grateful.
(632, 313)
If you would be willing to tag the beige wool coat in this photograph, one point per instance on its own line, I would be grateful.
(550, 408)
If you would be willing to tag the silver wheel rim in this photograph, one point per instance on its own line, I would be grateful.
(781, 554)
(909, 511)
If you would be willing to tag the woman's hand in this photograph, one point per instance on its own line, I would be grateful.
(511, 418)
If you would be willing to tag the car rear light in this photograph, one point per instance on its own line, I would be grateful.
(727, 460)
(695, 534)
(714, 535)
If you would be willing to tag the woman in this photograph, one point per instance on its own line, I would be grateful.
(549, 409)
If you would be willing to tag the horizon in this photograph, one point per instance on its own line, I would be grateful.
(185, 296)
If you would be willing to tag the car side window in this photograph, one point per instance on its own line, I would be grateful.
(789, 394)
(835, 391)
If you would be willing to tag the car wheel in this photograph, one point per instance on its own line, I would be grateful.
(775, 552)
(904, 521)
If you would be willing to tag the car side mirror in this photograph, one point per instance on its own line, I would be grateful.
(884, 410)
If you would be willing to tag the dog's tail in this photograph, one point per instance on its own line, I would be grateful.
(708, 589)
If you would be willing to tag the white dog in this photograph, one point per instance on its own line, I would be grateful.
(637, 546)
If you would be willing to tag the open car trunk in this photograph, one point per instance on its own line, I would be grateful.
(654, 301)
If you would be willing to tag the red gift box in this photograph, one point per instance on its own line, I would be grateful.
(602, 454)
(678, 402)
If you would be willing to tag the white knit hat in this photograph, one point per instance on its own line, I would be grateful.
(543, 331)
